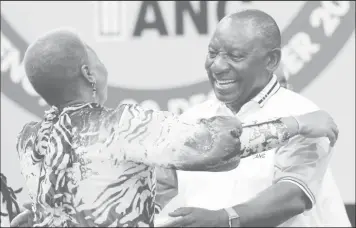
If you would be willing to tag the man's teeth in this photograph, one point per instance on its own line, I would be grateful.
(225, 82)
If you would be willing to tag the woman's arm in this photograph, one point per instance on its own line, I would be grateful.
(160, 138)
(263, 136)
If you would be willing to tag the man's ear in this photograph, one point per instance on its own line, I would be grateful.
(273, 59)
(87, 74)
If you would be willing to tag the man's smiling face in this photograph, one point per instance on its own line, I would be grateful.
(237, 61)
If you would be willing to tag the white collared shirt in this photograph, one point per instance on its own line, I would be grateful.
(303, 162)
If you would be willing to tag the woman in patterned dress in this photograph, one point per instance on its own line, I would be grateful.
(88, 165)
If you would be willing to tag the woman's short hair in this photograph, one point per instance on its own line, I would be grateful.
(53, 62)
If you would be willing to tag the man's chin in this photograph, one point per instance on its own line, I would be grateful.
(225, 98)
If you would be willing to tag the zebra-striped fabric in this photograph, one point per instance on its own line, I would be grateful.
(73, 176)
(86, 165)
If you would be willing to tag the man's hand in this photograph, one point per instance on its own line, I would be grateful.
(197, 217)
(318, 124)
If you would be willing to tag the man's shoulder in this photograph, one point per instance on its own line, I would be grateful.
(290, 103)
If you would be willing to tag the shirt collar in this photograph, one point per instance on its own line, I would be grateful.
(270, 89)
(256, 103)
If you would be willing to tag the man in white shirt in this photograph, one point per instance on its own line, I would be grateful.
(288, 186)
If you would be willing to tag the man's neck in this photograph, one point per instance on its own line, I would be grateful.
(235, 107)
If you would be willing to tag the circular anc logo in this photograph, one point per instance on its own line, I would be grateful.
(155, 51)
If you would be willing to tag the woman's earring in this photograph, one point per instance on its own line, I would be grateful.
(94, 89)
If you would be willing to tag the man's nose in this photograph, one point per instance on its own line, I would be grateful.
(219, 65)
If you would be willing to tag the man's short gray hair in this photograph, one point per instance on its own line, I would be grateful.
(262, 24)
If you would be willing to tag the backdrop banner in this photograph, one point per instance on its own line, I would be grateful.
(155, 53)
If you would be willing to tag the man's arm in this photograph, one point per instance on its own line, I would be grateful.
(271, 207)
(299, 170)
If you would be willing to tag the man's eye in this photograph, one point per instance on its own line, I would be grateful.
(236, 57)
(212, 54)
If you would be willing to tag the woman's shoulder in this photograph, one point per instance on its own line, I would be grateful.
(28, 131)
(29, 127)
(114, 114)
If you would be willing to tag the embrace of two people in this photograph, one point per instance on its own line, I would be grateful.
(88, 165)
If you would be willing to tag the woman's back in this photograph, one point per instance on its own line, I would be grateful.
(76, 183)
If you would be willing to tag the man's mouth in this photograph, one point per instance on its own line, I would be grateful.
(224, 84)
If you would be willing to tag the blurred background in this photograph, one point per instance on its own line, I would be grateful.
(155, 53)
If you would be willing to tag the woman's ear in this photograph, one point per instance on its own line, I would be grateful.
(88, 74)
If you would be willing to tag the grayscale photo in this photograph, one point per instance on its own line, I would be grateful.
(177, 114)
